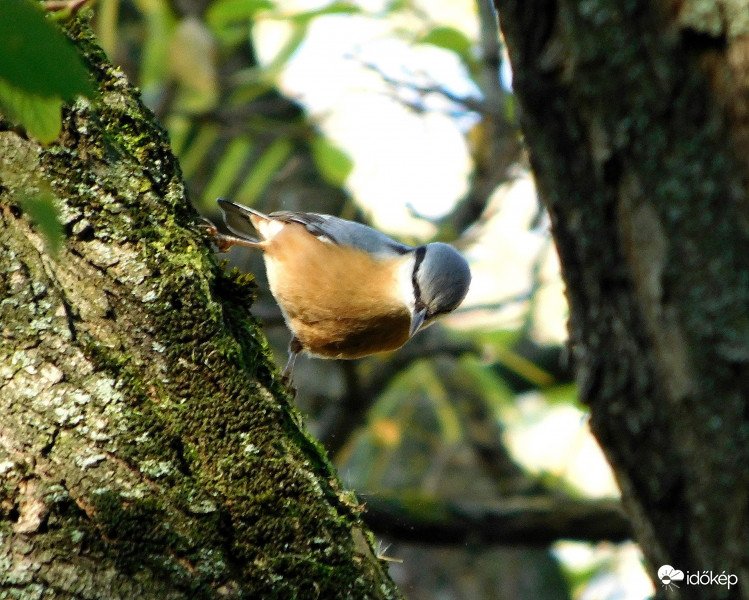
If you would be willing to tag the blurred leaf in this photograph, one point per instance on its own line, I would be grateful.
(336, 8)
(41, 116)
(524, 367)
(37, 58)
(273, 69)
(299, 23)
(386, 432)
(566, 393)
(419, 380)
(393, 6)
(265, 169)
(228, 169)
(449, 38)
(192, 61)
(179, 127)
(509, 107)
(580, 574)
(225, 12)
(195, 151)
(332, 162)
(505, 348)
(493, 387)
(160, 23)
(402, 386)
(249, 89)
(480, 143)
(500, 338)
(105, 25)
(42, 211)
(383, 456)
(444, 410)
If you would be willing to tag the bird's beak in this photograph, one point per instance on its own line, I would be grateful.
(417, 320)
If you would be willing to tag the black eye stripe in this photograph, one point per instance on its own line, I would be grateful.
(419, 255)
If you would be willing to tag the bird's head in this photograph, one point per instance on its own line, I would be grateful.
(440, 280)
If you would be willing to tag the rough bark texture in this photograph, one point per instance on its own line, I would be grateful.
(147, 447)
(636, 118)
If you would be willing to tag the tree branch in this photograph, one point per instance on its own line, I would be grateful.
(525, 520)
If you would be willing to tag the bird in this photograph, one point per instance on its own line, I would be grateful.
(345, 289)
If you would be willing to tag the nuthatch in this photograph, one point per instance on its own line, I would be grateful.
(346, 290)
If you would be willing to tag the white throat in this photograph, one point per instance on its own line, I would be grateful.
(405, 282)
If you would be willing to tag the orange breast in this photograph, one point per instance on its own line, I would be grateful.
(339, 302)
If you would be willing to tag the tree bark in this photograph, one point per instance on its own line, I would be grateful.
(635, 114)
(148, 449)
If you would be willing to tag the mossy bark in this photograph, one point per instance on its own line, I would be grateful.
(147, 446)
(636, 119)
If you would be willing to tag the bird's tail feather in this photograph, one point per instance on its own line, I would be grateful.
(238, 219)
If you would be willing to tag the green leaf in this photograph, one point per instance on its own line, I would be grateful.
(292, 44)
(224, 12)
(41, 116)
(448, 38)
(43, 212)
(228, 169)
(193, 63)
(192, 155)
(37, 58)
(160, 23)
(566, 393)
(332, 162)
(334, 8)
(500, 338)
(509, 107)
(265, 168)
(487, 383)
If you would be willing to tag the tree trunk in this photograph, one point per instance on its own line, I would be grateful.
(636, 117)
(147, 447)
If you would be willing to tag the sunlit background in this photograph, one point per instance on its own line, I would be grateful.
(399, 114)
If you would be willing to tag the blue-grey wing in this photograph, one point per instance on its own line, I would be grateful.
(347, 233)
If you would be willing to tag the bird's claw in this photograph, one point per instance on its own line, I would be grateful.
(223, 242)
